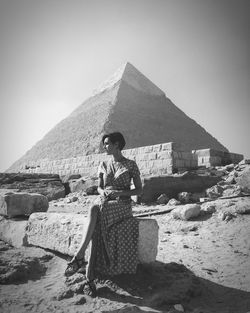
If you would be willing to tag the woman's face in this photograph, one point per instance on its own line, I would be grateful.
(109, 147)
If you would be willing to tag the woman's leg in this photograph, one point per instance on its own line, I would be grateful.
(92, 217)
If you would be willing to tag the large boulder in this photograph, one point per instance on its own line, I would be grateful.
(19, 203)
(154, 186)
(49, 185)
(63, 232)
(186, 212)
(243, 179)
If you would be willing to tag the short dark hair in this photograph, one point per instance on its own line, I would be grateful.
(115, 137)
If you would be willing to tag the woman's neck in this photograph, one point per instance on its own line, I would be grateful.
(117, 156)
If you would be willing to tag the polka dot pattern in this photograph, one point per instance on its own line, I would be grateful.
(114, 246)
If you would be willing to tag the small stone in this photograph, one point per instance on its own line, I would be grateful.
(184, 197)
(229, 167)
(179, 307)
(162, 199)
(186, 212)
(173, 201)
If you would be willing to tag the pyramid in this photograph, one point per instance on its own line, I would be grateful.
(127, 102)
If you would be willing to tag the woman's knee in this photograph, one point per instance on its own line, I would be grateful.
(94, 210)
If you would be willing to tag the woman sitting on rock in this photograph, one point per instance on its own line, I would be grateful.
(111, 227)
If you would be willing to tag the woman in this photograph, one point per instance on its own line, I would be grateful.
(111, 228)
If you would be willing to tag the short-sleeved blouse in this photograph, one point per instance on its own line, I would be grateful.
(118, 174)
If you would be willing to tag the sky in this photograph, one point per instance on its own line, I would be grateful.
(54, 53)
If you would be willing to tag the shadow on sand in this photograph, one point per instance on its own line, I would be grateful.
(159, 286)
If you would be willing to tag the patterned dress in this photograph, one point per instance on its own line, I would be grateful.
(114, 247)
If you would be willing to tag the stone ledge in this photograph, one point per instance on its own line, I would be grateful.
(62, 232)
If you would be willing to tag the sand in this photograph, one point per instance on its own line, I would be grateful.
(202, 265)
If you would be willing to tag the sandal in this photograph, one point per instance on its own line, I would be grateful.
(75, 266)
(90, 288)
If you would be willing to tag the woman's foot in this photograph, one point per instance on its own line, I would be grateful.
(75, 266)
(90, 288)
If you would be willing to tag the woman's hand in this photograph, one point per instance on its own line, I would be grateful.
(115, 193)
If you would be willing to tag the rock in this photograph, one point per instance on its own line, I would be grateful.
(208, 208)
(244, 161)
(230, 180)
(243, 180)
(15, 204)
(62, 232)
(80, 300)
(91, 190)
(229, 167)
(214, 192)
(186, 212)
(184, 197)
(71, 199)
(227, 216)
(49, 185)
(13, 232)
(179, 307)
(82, 184)
(162, 199)
(173, 202)
(232, 191)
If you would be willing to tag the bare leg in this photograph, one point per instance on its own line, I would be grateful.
(89, 232)
(90, 266)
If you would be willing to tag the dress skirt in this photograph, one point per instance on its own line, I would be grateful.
(114, 246)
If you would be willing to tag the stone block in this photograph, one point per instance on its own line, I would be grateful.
(167, 146)
(186, 212)
(13, 231)
(62, 232)
(14, 204)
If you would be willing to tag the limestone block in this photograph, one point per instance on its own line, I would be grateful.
(186, 212)
(167, 146)
(164, 155)
(157, 148)
(13, 231)
(62, 232)
(14, 204)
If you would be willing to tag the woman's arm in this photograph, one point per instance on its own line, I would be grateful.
(132, 192)
(100, 187)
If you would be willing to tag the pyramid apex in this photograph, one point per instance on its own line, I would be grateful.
(128, 73)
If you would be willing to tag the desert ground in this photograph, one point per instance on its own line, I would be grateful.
(203, 265)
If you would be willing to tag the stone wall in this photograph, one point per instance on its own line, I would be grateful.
(159, 159)
(211, 157)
